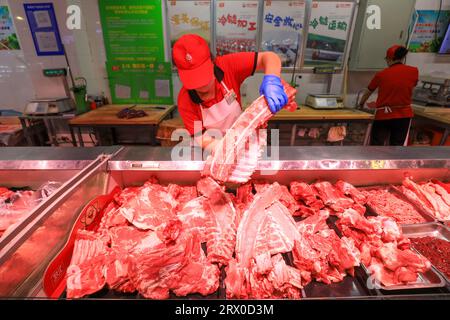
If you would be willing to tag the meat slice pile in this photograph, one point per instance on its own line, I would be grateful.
(339, 197)
(286, 198)
(14, 207)
(5, 194)
(266, 230)
(156, 251)
(385, 203)
(307, 197)
(222, 223)
(149, 206)
(335, 197)
(151, 239)
(433, 198)
(320, 254)
(384, 250)
(236, 156)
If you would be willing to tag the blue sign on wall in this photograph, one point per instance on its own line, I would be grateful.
(44, 29)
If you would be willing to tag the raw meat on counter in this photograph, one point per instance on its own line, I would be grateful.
(222, 225)
(151, 239)
(431, 197)
(266, 230)
(320, 254)
(139, 247)
(236, 156)
(385, 251)
(17, 205)
(334, 198)
(5, 194)
(385, 203)
(308, 198)
(349, 190)
(436, 250)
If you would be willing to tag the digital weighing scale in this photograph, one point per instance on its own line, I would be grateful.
(324, 101)
(49, 106)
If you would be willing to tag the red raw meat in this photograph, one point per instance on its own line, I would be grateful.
(352, 218)
(20, 206)
(193, 216)
(385, 203)
(221, 232)
(335, 199)
(5, 194)
(392, 266)
(383, 247)
(127, 239)
(181, 267)
(265, 212)
(266, 230)
(349, 190)
(244, 196)
(428, 198)
(304, 211)
(445, 195)
(306, 193)
(150, 207)
(85, 274)
(436, 250)
(111, 218)
(446, 186)
(244, 193)
(235, 157)
(266, 278)
(182, 194)
(320, 254)
(286, 197)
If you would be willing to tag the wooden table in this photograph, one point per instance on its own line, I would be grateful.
(307, 114)
(35, 134)
(436, 116)
(106, 117)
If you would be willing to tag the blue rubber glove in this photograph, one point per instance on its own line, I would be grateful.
(273, 91)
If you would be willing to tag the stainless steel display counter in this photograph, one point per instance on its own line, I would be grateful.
(31, 168)
(23, 262)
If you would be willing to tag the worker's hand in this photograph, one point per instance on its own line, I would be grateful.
(273, 91)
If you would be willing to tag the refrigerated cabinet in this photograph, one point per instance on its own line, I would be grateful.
(132, 166)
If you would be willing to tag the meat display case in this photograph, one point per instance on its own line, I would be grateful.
(30, 168)
(132, 166)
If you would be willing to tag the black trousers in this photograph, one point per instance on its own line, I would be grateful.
(396, 130)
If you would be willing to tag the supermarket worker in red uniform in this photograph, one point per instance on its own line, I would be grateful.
(395, 86)
(210, 96)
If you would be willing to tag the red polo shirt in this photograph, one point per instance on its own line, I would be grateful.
(236, 67)
(395, 87)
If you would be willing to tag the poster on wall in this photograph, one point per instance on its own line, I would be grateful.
(236, 26)
(282, 29)
(189, 17)
(429, 30)
(132, 84)
(329, 27)
(135, 54)
(44, 29)
(8, 36)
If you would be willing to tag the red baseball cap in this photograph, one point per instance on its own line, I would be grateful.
(192, 57)
(390, 53)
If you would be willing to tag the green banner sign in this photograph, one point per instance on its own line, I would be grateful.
(140, 83)
(134, 44)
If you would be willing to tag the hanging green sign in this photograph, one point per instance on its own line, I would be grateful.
(134, 44)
